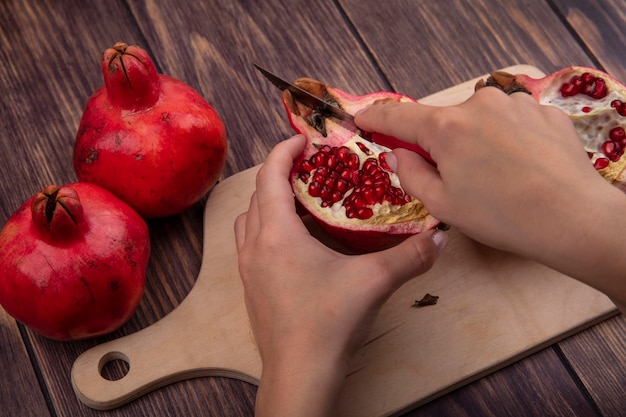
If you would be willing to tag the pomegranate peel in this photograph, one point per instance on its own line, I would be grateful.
(595, 102)
(149, 138)
(73, 261)
(341, 178)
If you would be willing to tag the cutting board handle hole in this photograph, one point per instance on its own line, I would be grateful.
(114, 366)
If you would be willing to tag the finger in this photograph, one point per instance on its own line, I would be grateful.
(274, 194)
(247, 224)
(418, 177)
(412, 257)
(403, 120)
(240, 230)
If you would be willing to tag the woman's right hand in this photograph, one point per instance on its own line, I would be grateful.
(511, 174)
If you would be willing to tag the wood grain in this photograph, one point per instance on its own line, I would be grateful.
(50, 51)
(19, 388)
(423, 47)
(605, 344)
(527, 386)
(600, 26)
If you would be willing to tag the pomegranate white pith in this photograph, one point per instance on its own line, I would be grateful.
(343, 180)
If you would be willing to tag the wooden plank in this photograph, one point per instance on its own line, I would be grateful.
(598, 356)
(66, 39)
(210, 45)
(19, 388)
(423, 47)
(50, 65)
(521, 390)
(442, 348)
(219, 41)
(600, 26)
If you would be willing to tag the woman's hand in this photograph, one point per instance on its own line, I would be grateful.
(310, 307)
(512, 174)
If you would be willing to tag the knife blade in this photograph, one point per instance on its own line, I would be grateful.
(306, 98)
(327, 109)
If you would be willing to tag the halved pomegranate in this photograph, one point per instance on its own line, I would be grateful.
(342, 178)
(594, 101)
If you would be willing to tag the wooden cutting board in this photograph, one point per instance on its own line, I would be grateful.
(494, 308)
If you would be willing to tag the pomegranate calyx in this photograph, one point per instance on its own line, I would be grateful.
(503, 80)
(130, 77)
(57, 212)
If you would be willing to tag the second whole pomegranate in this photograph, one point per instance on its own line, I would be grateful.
(149, 138)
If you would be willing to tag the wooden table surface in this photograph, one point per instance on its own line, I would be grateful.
(49, 66)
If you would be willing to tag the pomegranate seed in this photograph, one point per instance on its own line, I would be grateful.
(617, 134)
(364, 148)
(331, 183)
(601, 163)
(364, 213)
(331, 161)
(318, 159)
(588, 84)
(336, 196)
(353, 162)
(325, 193)
(370, 165)
(367, 181)
(612, 150)
(332, 172)
(343, 153)
(315, 189)
(370, 196)
(586, 109)
(599, 89)
(619, 107)
(568, 90)
(342, 185)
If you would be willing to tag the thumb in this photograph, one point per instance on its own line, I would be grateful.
(412, 257)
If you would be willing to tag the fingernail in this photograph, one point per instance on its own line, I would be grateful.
(392, 161)
(441, 239)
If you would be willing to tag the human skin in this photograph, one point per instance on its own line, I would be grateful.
(310, 307)
(510, 173)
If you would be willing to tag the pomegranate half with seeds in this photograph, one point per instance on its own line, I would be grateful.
(594, 101)
(342, 179)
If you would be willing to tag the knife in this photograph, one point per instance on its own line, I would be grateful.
(305, 97)
(325, 108)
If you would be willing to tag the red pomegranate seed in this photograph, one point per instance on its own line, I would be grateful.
(353, 162)
(315, 188)
(619, 106)
(599, 89)
(601, 163)
(617, 134)
(588, 84)
(364, 213)
(343, 153)
(612, 150)
(331, 161)
(334, 172)
(586, 109)
(364, 148)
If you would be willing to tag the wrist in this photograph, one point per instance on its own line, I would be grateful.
(300, 382)
(587, 241)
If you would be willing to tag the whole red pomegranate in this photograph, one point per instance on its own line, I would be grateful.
(594, 101)
(149, 138)
(342, 178)
(73, 262)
